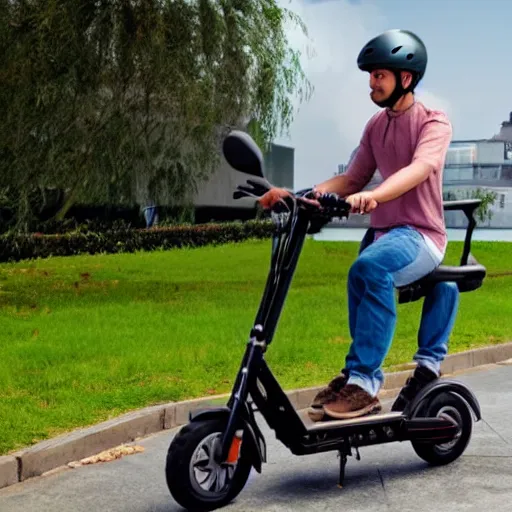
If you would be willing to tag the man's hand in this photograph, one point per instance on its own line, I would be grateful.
(272, 197)
(362, 202)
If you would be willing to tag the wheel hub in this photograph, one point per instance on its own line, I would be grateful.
(452, 414)
(206, 474)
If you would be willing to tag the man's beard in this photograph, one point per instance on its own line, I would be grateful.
(390, 100)
(384, 99)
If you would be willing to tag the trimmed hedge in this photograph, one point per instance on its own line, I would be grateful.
(16, 247)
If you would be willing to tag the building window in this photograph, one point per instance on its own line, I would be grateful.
(502, 200)
(508, 150)
(506, 173)
(487, 173)
(461, 154)
(458, 173)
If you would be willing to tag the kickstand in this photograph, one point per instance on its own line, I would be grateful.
(343, 463)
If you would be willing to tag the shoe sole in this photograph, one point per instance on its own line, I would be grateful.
(373, 408)
(316, 413)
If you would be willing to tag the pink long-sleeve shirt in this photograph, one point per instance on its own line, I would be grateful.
(392, 141)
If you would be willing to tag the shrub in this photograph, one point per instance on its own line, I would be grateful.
(122, 238)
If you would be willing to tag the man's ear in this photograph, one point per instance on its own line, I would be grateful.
(406, 79)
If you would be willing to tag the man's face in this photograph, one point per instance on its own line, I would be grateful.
(383, 81)
(382, 84)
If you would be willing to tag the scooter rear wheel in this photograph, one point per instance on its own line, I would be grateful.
(194, 478)
(454, 408)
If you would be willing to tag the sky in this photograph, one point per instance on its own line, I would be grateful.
(469, 71)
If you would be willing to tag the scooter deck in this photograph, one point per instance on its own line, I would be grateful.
(382, 416)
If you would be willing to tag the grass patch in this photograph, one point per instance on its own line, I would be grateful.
(86, 338)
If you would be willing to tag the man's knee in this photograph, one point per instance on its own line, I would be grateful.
(367, 269)
(361, 267)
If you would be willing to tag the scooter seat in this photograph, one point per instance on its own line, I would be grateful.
(466, 277)
(460, 274)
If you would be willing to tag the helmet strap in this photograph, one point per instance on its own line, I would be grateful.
(398, 91)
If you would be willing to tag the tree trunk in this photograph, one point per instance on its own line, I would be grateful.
(69, 201)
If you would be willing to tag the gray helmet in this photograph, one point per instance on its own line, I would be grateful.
(398, 50)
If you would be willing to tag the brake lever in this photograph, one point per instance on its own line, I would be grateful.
(305, 193)
(303, 201)
(249, 190)
(255, 188)
(259, 186)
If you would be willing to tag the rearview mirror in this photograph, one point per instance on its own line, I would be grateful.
(243, 154)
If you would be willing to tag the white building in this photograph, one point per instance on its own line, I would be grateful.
(484, 164)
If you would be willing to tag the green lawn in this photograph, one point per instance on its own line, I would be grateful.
(86, 338)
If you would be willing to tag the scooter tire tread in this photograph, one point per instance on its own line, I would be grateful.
(178, 462)
(430, 452)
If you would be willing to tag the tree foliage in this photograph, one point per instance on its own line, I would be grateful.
(110, 100)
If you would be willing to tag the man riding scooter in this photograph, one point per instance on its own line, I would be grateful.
(407, 240)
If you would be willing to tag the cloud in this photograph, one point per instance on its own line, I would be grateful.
(434, 101)
(328, 127)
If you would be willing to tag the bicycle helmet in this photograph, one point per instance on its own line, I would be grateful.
(396, 50)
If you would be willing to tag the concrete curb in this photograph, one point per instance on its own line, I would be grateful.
(54, 453)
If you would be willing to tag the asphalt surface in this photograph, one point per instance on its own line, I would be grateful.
(388, 477)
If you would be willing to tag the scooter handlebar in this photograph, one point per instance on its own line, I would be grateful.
(331, 205)
(334, 203)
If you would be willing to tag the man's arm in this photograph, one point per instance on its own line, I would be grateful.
(341, 185)
(429, 157)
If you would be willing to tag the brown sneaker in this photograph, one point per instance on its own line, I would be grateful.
(325, 396)
(352, 401)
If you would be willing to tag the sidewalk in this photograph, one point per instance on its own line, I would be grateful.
(54, 453)
(388, 477)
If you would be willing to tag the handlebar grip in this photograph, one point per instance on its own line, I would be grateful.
(332, 200)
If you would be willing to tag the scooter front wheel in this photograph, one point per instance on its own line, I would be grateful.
(454, 408)
(196, 480)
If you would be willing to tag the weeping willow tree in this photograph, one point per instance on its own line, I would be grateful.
(97, 95)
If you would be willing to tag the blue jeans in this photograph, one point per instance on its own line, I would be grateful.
(397, 258)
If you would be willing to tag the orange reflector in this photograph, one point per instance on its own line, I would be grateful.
(234, 450)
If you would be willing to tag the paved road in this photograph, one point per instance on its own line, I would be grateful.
(389, 477)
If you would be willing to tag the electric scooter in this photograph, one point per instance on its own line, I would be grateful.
(210, 459)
